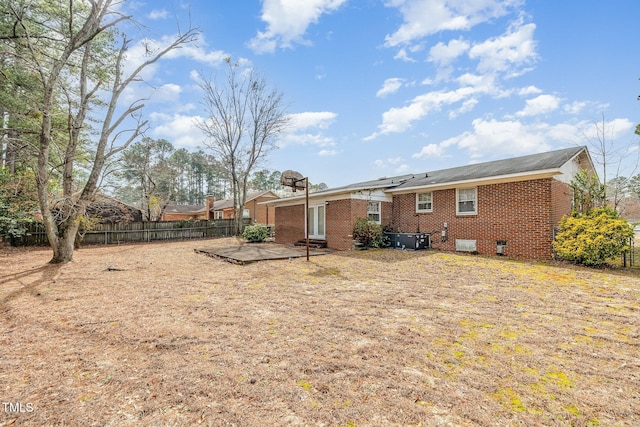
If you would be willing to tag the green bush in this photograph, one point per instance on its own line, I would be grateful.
(18, 201)
(255, 233)
(593, 238)
(369, 234)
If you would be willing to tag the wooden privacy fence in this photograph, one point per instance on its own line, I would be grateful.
(139, 232)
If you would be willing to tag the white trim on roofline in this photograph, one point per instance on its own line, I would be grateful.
(374, 195)
(521, 176)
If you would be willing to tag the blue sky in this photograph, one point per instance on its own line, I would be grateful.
(387, 87)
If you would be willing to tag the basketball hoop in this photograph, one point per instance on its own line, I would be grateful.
(293, 179)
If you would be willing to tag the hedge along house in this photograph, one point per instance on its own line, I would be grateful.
(507, 206)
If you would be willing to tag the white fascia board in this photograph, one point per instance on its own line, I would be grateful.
(372, 195)
(377, 195)
(526, 176)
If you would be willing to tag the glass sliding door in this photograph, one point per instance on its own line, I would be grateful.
(316, 222)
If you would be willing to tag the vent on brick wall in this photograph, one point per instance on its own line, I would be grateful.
(466, 245)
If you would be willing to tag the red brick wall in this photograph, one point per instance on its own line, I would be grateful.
(561, 196)
(519, 213)
(290, 224)
(262, 214)
(387, 213)
(341, 216)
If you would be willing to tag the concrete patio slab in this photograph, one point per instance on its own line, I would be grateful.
(253, 252)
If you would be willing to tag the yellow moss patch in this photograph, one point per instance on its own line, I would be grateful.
(558, 378)
(572, 410)
(305, 385)
(509, 398)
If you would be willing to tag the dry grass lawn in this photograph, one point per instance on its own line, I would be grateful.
(157, 334)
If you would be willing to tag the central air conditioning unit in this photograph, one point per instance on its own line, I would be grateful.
(413, 241)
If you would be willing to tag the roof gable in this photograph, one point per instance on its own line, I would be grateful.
(523, 165)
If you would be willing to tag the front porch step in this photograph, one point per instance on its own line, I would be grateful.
(313, 243)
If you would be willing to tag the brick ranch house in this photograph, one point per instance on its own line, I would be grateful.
(174, 212)
(223, 209)
(514, 203)
(254, 208)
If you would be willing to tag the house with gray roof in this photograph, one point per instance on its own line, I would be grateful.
(508, 206)
(254, 207)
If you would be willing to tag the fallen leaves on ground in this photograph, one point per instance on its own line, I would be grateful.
(156, 334)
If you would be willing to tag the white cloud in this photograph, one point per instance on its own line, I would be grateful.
(158, 14)
(198, 52)
(429, 151)
(389, 86)
(167, 93)
(399, 119)
(306, 129)
(320, 119)
(195, 76)
(403, 168)
(143, 49)
(466, 107)
(494, 138)
(181, 130)
(511, 50)
(305, 139)
(613, 129)
(575, 107)
(426, 17)
(287, 21)
(443, 54)
(394, 163)
(529, 90)
(324, 153)
(539, 105)
(404, 56)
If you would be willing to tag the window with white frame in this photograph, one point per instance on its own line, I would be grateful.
(467, 203)
(424, 202)
(373, 211)
(246, 213)
(218, 215)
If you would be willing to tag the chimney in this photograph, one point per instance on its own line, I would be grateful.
(209, 207)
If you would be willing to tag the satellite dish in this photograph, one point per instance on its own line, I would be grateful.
(292, 179)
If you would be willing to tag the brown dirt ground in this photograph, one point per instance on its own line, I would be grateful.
(157, 334)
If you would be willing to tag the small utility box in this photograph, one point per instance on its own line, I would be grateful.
(500, 247)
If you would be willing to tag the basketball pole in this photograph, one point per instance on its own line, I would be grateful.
(291, 179)
(306, 207)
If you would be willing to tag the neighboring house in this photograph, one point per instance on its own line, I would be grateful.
(510, 205)
(174, 212)
(254, 208)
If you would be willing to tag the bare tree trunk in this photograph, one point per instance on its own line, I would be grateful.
(243, 120)
(52, 63)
